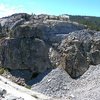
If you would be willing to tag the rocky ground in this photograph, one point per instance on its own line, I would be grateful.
(12, 91)
(57, 57)
(59, 84)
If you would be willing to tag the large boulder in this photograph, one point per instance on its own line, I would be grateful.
(79, 50)
(25, 53)
(76, 46)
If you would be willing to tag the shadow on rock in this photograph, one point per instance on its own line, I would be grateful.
(39, 77)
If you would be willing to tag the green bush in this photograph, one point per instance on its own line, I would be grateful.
(28, 87)
(92, 23)
(1, 71)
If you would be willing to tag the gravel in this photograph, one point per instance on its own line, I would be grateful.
(55, 83)
(59, 84)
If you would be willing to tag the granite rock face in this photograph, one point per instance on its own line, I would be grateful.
(25, 53)
(28, 39)
(79, 50)
(34, 44)
(25, 31)
(41, 42)
(55, 30)
(0, 28)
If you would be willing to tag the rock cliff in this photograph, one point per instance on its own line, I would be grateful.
(54, 47)
(27, 39)
(41, 42)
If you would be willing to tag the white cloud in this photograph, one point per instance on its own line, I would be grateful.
(6, 10)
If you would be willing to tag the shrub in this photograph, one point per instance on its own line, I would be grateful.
(1, 71)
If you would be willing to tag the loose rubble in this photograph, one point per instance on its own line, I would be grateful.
(58, 84)
(54, 83)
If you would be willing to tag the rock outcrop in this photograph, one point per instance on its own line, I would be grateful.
(0, 29)
(25, 53)
(41, 42)
(34, 44)
(11, 21)
(28, 39)
(79, 50)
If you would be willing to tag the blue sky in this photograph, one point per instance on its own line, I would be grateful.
(54, 7)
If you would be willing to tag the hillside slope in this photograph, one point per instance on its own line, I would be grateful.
(91, 22)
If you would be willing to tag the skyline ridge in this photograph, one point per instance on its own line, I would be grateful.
(51, 7)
